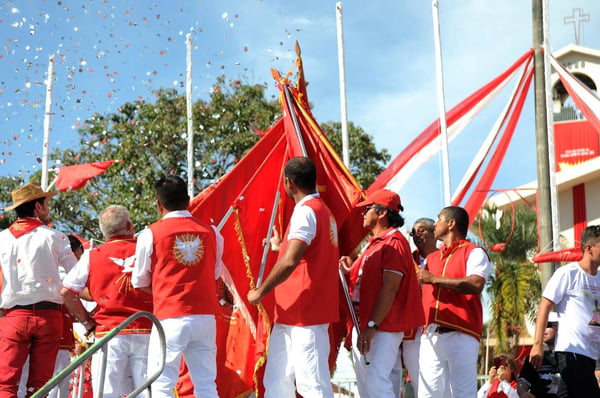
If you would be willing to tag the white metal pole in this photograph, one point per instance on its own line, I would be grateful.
(441, 102)
(47, 116)
(550, 123)
(190, 121)
(342, 76)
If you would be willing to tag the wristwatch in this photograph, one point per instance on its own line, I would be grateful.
(372, 324)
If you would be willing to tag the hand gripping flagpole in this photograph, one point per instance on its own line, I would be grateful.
(263, 261)
(351, 307)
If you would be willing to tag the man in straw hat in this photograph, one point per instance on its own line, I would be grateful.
(30, 254)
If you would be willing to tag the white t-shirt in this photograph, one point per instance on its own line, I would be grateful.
(303, 223)
(478, 263)
(576, 295)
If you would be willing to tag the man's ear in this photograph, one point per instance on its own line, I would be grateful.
(451, 224)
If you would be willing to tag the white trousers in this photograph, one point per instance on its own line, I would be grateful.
(63, 359)
(298, 354)
(194, 337)
(375, 379)
(408, 357)
(126, 361)
(448, 359)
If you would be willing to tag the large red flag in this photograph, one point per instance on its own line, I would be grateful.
(76, 176)
(242, 203)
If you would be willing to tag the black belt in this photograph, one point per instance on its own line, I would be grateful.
(42, 305)
(442, 330)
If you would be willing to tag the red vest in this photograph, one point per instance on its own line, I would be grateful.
(392, 252)
(309, 296)
(109, 282)
(446, 307)
(183, 267)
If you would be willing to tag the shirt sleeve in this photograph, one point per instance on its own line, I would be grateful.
(478, 263)
(77, 278)
(219, 259)
(556, 286)
(303, 224)
(141, 276)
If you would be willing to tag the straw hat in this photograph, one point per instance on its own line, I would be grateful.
(27, 193)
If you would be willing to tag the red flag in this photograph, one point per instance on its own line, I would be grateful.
(242, 202)
(76, 176)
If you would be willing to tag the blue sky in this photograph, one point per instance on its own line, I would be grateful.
(111, 52)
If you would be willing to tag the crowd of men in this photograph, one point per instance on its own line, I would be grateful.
(420, 310)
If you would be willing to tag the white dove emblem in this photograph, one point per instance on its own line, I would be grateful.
(188, 249)
(125, 263)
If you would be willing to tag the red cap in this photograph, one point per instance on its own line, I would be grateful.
(383, 197)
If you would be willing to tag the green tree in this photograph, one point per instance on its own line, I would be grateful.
(366, 162)
(514, 285)
(7, 185)
(150, 139)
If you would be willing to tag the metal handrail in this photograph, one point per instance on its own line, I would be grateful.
(100, 344)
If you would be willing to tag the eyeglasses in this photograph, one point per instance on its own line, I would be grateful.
(419, 231)
(367, 208)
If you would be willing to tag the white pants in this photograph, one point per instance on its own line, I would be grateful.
(63, 359)
(448, 358)
(194, 337)
(375, 379)
(408, 357)
(300, 354)
(126, 357)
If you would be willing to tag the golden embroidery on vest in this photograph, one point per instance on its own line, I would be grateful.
(333, 236)
(124, 281)
(188, 249)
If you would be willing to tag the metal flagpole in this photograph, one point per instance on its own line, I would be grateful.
(190, 122)
(47, 116)
(288, 98)
(342, 75)
(441, 102)
(263, 261)
(351, 307)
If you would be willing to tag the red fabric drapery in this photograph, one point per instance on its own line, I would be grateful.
(579, 213)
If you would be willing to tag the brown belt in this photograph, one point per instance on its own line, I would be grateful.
(42, 305)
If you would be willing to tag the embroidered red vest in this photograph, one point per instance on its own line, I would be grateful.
(109, 282)
(446, 307)
(310, 295)
(183, 267)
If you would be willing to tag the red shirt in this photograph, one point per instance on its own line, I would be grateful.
(309, 296)
(183, 267)
(389, 253)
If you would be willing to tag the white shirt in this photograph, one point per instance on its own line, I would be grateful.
(303, 223)
(576, 295)
(30, 266)
(141, 275)
(478, 263)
